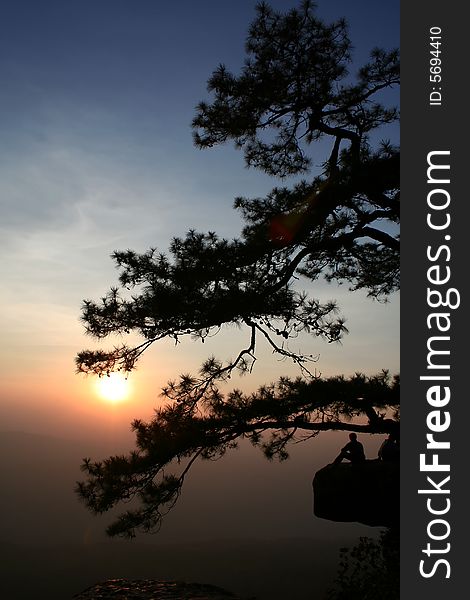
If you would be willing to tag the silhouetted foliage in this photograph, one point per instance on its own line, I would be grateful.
(294, 89)
(369, 570)
(271, 419)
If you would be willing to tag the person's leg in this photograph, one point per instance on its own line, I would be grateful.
(339, 458)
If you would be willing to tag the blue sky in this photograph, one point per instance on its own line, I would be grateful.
(96, 154)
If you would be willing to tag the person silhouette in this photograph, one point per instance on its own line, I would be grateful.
(353, 451)
(389, 450)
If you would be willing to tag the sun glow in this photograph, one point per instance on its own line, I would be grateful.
(113, 387)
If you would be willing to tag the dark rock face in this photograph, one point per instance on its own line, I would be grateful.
(149, 589)
(368, 493)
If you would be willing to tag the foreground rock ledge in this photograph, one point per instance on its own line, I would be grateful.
(149, 589)
(367, 493)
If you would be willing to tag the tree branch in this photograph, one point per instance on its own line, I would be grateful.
(382, 237)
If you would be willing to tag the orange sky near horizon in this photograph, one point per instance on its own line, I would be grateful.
(41, 391)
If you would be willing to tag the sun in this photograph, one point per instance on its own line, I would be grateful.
(113, 387)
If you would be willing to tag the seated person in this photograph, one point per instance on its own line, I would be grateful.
(389, 450)
(353, 451)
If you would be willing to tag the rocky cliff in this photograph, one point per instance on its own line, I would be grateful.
(368, 493)
(148, 589)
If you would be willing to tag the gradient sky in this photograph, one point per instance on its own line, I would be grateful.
(96, 155)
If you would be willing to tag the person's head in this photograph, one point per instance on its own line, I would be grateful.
(352, 437)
